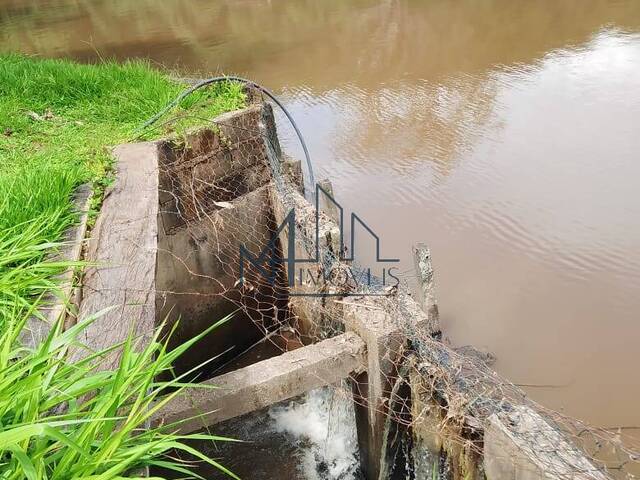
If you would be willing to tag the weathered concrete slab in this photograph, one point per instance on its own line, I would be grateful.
(213, 165)
(514, 442)
(386, 329)
(522, 445)
(312, 312)
(292, 171)
(58, 305)
(385, 342)
(197, 275)
(267, 382)
(438, 444)
(123, 245)
(326, 205)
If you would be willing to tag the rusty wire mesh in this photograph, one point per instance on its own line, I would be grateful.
(221, 187)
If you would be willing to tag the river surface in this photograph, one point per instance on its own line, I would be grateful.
(505, 134)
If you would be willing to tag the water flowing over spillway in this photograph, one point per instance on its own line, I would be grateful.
(322, 425)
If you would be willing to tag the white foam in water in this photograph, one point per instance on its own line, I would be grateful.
(323, 425)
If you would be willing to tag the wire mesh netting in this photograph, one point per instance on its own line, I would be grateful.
(228, 243)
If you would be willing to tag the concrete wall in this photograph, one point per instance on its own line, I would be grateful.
(213, 199)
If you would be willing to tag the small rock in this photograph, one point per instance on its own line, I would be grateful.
(35, 116)
(48, 115)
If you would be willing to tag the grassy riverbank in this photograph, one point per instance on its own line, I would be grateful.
(57, 122)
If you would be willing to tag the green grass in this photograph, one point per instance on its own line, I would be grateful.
(57, 122)
(57, 119)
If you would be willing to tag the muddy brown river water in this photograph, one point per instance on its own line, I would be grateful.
(505, 134)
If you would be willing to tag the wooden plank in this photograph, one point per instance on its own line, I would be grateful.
(123, 246)
(265, 383)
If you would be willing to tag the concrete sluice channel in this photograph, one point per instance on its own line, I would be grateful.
(213, 198)
(169, 240)
(319, 387)
(309, 437)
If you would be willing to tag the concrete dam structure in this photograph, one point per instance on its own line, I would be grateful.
(181, 218)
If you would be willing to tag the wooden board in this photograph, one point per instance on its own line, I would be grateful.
(265, 383)
(123, 247)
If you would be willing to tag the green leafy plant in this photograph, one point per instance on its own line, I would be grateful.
(62, 420)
